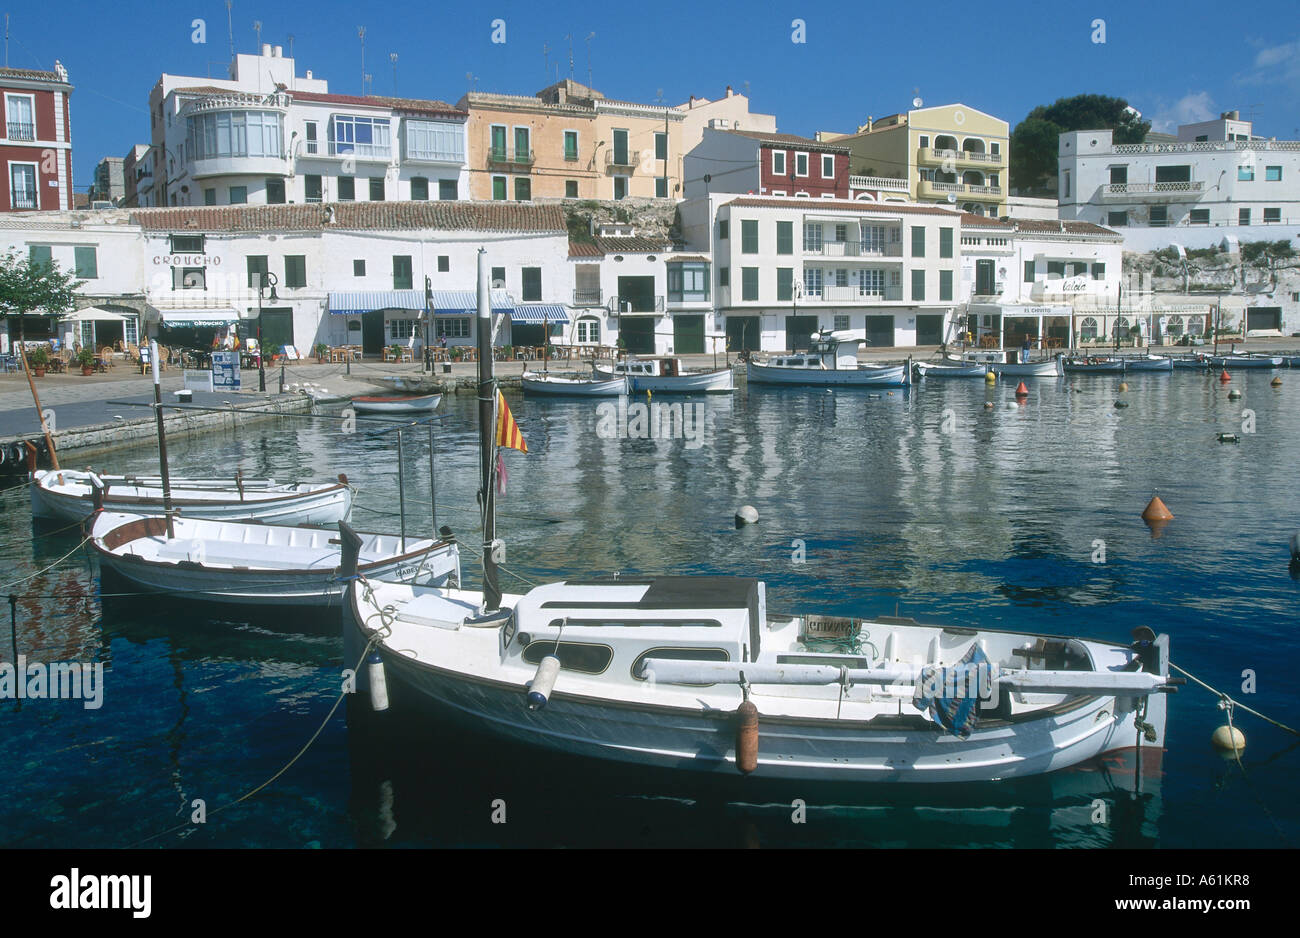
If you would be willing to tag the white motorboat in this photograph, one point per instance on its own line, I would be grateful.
(832, 359)
(69, 494)
(1093, 366)
(1149, 363)
(1048, 368)
(1246, 360)
(396, 404)
(667, 376)
(558, 385)
(407, 384)
(257, 564)
(695, 674)
(949, 369)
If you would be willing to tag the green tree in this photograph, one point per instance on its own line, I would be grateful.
(1034, 142)
(27, 285)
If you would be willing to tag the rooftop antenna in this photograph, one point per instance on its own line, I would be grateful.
(590, 36)
(471, 81)
(291, 45)
(746, 84)
(368, 81)
(230, 31)
(546, 61)
(916, 99)
(392, 57)
(361, 34)
(257, 28)
(659, 97)
(7, 38)
(570, 38)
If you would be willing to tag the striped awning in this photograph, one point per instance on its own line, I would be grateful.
(465, 302)
(353, 303)
(539, 314)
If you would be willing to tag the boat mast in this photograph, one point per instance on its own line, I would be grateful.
(162, 436)
(487, 435)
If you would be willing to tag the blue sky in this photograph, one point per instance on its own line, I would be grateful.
(1174, 62)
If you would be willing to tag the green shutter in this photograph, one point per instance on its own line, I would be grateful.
(295, 270)
(87, 263)
(918, 241)
(945, 242)
(401, 272)
(749, 283)
(748, 236)
(785, 282)
(257, 269)
(945, 285)
(1029, 271)
(499, 188)
(40, 254)
(785, 237)
(532, 283)
(918, 284)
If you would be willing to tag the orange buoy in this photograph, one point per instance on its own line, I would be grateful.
(1224, 378)
(1021, 390)
(1157, 511)
(746, 737)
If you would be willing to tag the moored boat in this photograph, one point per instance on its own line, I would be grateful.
(396, 404)
(665, 375)
(1246, 360)
(257, 564)
(1048, 368)
(950, 369)
(558, 385)
(407, 384)
(1149, 363)
(1093, 366)
(832, 359)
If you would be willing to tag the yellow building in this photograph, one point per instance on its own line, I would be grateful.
(950, 154)
(569, 141)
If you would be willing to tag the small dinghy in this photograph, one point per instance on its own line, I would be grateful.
(257, 564)
(407, 384)
(1149, 363)
(1093, 366)
(68, 494)
(397, 404)
(556, 385)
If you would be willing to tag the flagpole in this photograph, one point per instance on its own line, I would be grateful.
(487, 436)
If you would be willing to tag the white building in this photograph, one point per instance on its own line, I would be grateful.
(1215, 175)
(269, 136)
(731, 111)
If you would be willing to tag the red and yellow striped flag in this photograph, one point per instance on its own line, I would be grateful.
(508, 433)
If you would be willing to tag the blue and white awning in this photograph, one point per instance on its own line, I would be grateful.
(353, 303)
(539, 314)
(465, 302)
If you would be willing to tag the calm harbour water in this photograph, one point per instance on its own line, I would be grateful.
(924, 502)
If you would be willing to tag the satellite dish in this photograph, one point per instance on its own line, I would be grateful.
(952, 197)
(917, 102)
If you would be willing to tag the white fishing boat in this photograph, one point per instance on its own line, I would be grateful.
(1149, 363)
(1048, 368)
(407, 384)
(832, 359)
(949, 369)
(558, 385)
(70, 494)
(1246, 360)
(257, 564)
(695, 674)
(1093, 366)
(396, 404)
(667, 376)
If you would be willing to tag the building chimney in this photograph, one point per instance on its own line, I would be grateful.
(309, 74)
(729, 91)
(266, 49)
(278, 52)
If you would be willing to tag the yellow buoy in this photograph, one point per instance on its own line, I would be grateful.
(746, 737)
(1276, 382)
(1123, 386)
(990, 378)
(1229, 738)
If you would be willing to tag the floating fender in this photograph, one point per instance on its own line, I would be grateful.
(539, 690)
(1234, 394)
(990, 378)
(1123, 387)
(1229, 739)
(378, 683)
(16, 453)
(746, 737)
(746, 514)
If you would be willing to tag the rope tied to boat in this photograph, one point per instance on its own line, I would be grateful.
(33, 576)
(1232, 703)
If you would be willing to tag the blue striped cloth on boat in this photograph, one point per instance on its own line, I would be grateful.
(952, 694)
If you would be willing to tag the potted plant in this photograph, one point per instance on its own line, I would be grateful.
(322, 352)
(86, 359)
(39, 358)
(456, 352)
(622, 349)
(395, 352)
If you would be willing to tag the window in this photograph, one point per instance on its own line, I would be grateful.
(401, 328)
(945, 285)
(1029, 271)
(1119, 175)
(995, 149)
(19, 111)
(22, 185)
(574, 656)
(444, 263)
(661, 145)
(1272, 216)
(1159, 216)
(785, 237)
(724, 276)
(784, 284)
(257, 270)
(945, 242)
(749, 283)
(419, 189)
(840, 323)
(812, 281)
(871, 282)
(87, 266)
(570, 188)
(828, 166)
(1098, 271)
(812, 238)
(1088, 328)
(688, 282)
(841, 277)
(1065, 184)
(295, 270)
(918, 285)
(1055, 270)
(227, 134)
(1176, 173)
(358, 268)
(924, 140)
(723, 228)
(801, 164)
(918, 241)
(620, 188)
(497, 144)
(363, 136)
(571, 146)
(661, 187)
(1200, 216)
(620, 148)
(376, 188)
(1246, 172)
(778, 162)
(523, 189)
(872, 238)
(448, 190)
(1117, 219)
(189, 278)
(435, 141)
(523, 145)
(589, 331)
(453, 327)
(748, 236)
(1243, 216)
(313, 144)
(498, 188)
(275, 192)
(347, 189)
(238, 195)
(498, 278)
(209, 196)
(401, 272)
(532, 283)
(1272, 173)
(186, 244)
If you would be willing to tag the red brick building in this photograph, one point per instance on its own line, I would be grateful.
(757, 163)
(35, 140)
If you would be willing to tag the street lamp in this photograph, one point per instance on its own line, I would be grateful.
(428, 320)
(264, 280)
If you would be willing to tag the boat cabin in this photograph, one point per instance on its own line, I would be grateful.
(827, 350)
(649, 367)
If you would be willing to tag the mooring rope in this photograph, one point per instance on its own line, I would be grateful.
(1229, 702)
(32, 576)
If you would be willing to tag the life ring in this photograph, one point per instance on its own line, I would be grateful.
(17, 454)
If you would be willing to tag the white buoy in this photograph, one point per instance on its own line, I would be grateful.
(1229, 738)
(378, 683)
(1234, 394)
(539, 691)
(746, 514)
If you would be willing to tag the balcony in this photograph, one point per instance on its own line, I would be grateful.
(361, 151)
(883, 183)
(933, 157)
(587, 297)
(23, 200)
(868, 249)
(1155, 191)
(625, 166)
(928, 189)
(502, 157)
(831, 293)
(21, 130)
(416, 155)
(622, 305)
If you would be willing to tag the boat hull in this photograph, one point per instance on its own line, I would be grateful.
(407, 384)
(1245, 361)
(1158, 363)
(887, 377)
(934, 370)
(1047, 369)
(397, 405)
(547, 386)
(1094, 368)
(720, 381)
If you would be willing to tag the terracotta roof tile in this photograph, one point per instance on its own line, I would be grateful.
(971, 220)
(391, 216)
(632, 245)
(32, 74)
(1047, 226)
(806, 143)
(583, 249)
(397, 104)
(840, 205)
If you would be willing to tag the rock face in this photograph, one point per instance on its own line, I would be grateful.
(652, 218)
